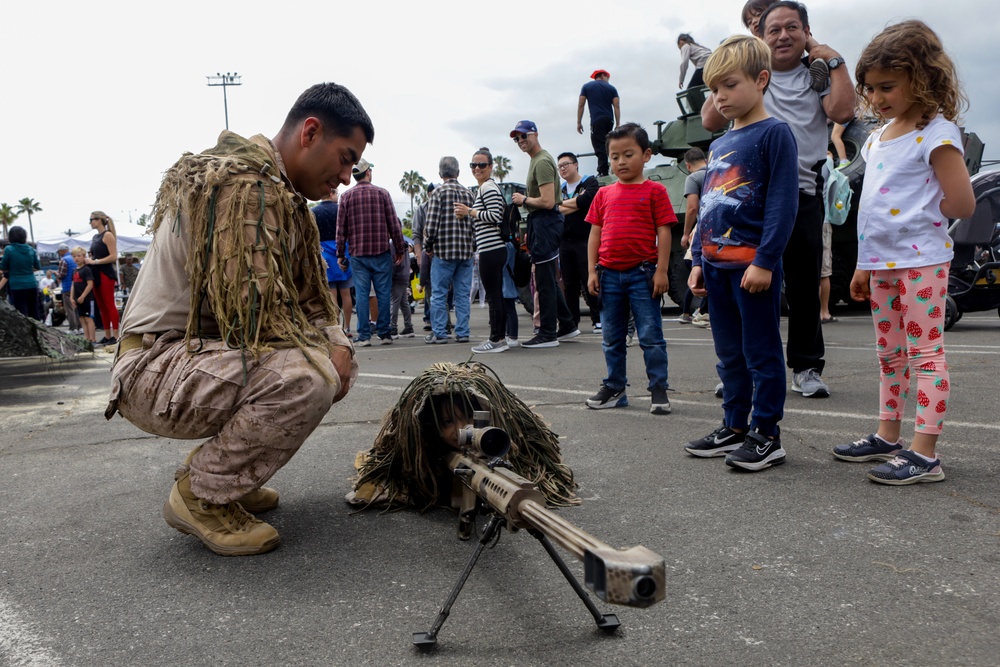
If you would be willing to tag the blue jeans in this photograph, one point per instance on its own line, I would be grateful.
(446, 273)
(370, 269)
(748, 344)
(619, 291)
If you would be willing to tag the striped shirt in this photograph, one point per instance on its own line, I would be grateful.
(489, 207)
(446, 235)
(628, 215)
(366, 220)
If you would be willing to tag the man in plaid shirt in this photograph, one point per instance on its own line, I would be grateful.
(448, 239)
(366, 221)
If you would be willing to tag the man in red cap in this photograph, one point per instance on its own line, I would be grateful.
(604, 114)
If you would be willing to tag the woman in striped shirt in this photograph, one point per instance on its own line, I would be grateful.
(487, 214)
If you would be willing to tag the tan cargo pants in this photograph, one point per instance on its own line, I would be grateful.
(253, 427)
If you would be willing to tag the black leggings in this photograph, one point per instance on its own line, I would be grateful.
(491, 270)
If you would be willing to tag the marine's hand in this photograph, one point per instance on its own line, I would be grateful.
(696, 281)
(755, 279)
(343, 360)
(860, 288)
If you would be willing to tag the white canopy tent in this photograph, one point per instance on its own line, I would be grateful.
(130, 237)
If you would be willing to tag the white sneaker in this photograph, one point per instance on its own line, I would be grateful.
(700, 320)
(513, 342)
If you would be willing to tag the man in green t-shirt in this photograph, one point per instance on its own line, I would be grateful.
(545, 228)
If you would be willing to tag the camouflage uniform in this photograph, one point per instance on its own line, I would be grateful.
(226, 332)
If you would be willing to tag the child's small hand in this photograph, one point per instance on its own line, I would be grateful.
(755, 279)
(593, 284)
(860, 288)
(660, 282)
(696, 281)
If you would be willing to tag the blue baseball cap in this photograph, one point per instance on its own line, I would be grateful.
(524, 127)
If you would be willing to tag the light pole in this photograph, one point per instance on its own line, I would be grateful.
(224, 80)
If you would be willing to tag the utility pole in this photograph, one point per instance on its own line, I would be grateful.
(224, 80)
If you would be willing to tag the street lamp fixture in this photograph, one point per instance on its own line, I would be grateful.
(224, 80)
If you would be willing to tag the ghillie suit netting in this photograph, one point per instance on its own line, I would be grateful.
(404, 467)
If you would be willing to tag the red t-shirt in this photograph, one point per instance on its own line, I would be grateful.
(628, 216)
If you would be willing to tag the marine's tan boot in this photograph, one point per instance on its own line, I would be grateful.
(260, 500)
(228, 530)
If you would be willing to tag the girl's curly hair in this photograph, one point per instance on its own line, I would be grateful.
(913, 48)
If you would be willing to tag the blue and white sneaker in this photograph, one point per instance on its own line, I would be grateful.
(756, 453)
(907, 468)
(869, 448)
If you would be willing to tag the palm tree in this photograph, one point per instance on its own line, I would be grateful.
(412, 184)
(501, 167)
(7, 217)
(29, 206)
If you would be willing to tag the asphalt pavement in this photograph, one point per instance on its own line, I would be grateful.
(808, 563)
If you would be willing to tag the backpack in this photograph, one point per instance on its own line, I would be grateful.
(510, 225)
(836, 195)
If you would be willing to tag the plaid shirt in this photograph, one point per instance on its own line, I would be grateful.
(446, 235)
(366, 219)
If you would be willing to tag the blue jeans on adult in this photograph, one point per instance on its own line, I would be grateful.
(370, 269)
(748, 344)
(446, 273)
(619, 291)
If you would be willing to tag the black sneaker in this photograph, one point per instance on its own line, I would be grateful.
(407, 332)
(719, 442)
(757, 453)
(606, 397)
(659, 404)
(566, 334)
(539, 341)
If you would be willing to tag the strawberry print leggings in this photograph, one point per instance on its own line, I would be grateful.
(908, 311)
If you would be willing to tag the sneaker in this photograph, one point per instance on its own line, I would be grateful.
(718, 390)
(598, 328)
(538, 341)
(228, 530)
(907, 468)
(367, 342)
(819, 73)
(869, 448)
(700, 320)
(566, 334)
(386, 340)
(428, 327)
(394, 333)
(659, 404)
(606, 397)
(810, 384)
(629, 340)
(259, 500)
(513, 342)
(756, 453)
(685, 318)
(461, 339)
(719, 442)
(489, 347)
(433, 339)
(407, 332)
(349, 334)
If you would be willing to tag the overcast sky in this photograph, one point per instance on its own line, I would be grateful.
(100, 98)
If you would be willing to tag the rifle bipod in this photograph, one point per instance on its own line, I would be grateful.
(606, 622)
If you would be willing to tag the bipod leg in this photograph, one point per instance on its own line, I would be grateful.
(426, 640)
(606, 622)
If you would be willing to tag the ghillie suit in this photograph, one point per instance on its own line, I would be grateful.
(404, 466)
(248, 237)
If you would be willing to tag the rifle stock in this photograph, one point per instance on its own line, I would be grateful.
(634, 577)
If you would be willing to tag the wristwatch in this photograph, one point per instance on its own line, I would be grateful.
(834, 63)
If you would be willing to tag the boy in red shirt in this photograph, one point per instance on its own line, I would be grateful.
(629, 249)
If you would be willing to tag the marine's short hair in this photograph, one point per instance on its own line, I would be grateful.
(634, 130)
(448, 167)
(336, 107)
(739, 53)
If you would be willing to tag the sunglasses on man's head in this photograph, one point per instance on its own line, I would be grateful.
(478, 165)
